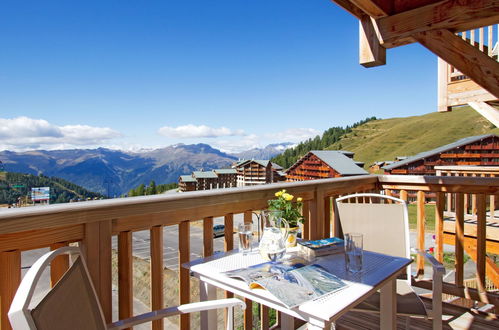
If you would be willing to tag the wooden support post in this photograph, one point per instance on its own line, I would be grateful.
(184, 251)
(459, 244)
(207, 236)
(481, 241)
(439, 227)
(125, 275)
(371, 53)
(442, 77)
(10, 278)
(420, 230)
(156, 247)
(59, 265)
(96, 247)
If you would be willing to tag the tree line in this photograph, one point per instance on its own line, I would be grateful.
(151, 189)
(18, 185)
(330, 136)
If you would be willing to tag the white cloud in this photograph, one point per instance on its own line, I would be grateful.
(293, 135)
(201, 131)
(23, 133)
(251, 141)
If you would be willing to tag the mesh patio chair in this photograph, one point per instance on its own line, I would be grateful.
(73, 304)
(383, 221)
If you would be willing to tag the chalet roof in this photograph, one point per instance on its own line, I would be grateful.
(187, 178)
(225, 171)
(204, 175)
(439, 150)
(337, 160)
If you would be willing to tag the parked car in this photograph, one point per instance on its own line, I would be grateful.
(218, 230)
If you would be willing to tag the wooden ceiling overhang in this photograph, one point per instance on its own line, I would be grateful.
(385, 24)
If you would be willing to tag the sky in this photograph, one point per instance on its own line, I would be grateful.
(235, 74)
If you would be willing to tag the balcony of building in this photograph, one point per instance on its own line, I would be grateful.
(188, 219)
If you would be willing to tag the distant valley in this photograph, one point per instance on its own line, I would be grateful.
(114, 172)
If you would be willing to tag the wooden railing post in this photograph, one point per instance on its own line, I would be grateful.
(420, 230)
(156, 247)
(184, 251)
(207, 236)
(481, 241)
(125, 275)
(439, 226)
(10, 278)
(459, 239)
(306, 218)
(317, 215)
(59, 265)
(97, 249)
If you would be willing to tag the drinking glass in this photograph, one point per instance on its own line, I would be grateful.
(353, 252)
(245, 232)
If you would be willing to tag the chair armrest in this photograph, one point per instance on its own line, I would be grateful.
(177, 310)
(437, 266)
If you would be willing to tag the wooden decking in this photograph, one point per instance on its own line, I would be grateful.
(455, 318)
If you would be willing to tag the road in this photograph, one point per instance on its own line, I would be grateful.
(141, 242)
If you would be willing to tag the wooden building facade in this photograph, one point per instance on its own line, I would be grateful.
(256, 172)
(187, 183)
(321, 164)
(227, 177)
(482, 150)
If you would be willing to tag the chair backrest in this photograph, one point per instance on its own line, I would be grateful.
(71, 304)
(385, 226)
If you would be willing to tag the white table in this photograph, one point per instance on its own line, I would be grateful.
(379, 273)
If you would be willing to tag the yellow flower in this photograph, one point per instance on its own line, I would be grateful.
(283, 191)
(299, 199)
(288, 197)
(278, 194)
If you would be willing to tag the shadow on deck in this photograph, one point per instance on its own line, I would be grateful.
(455, 317)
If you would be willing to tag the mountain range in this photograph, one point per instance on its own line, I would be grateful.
(115, 172)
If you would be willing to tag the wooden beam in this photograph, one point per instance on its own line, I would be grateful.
(349, 7)
(370, 8)
(487, 111)
(454, 15)
(463, 56)
(371, 53)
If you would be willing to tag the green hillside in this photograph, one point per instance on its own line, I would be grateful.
(385, 139)
(15, 185)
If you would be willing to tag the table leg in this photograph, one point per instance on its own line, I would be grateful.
(208, 318)
(388, 302)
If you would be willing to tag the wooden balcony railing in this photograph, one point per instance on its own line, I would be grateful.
(94, 223)
(454, 87)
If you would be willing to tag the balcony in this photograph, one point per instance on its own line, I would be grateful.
(96, 224)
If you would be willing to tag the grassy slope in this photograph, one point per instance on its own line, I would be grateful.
(387, 138)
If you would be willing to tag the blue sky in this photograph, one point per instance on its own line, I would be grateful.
(231, 73)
